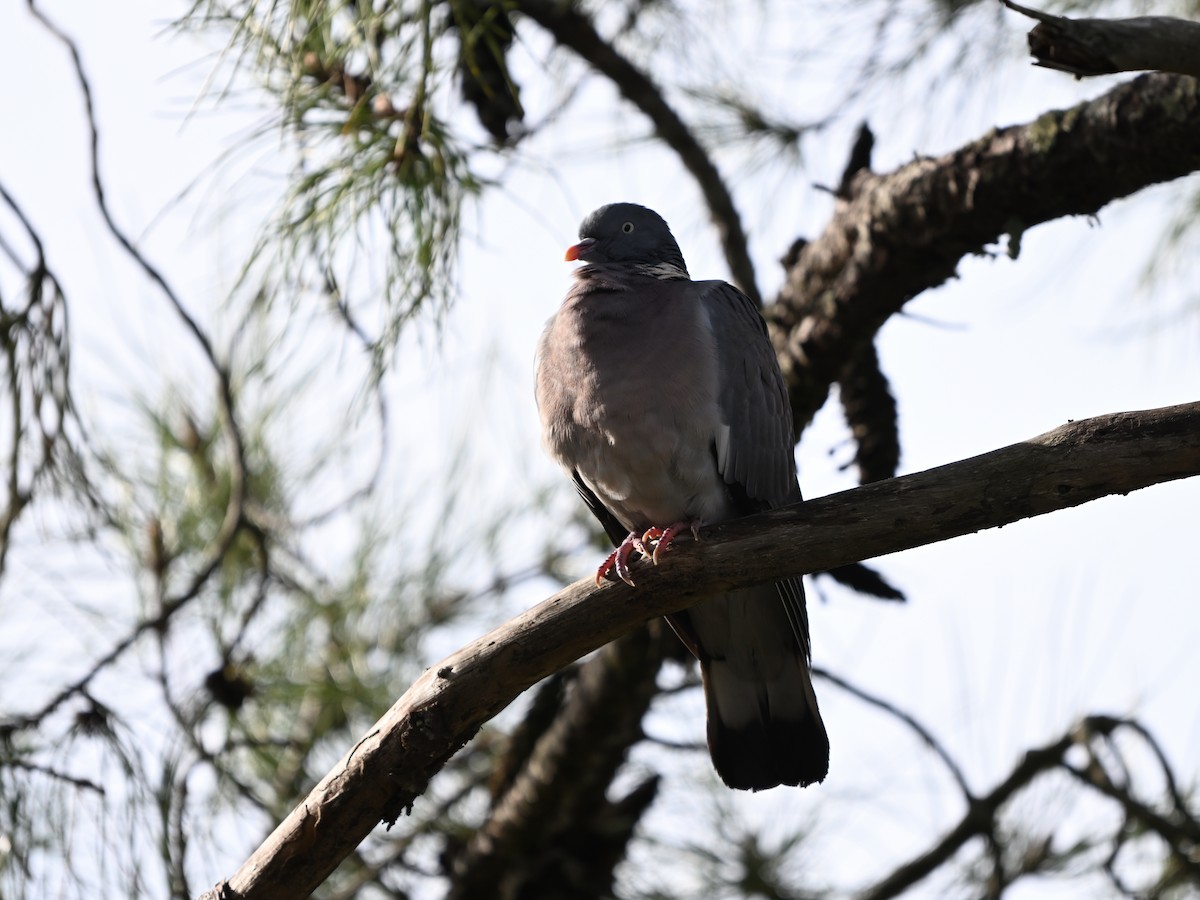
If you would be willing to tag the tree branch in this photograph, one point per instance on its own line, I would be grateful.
(547, 834)
(1104, 46)
(571, 28)
(905, 232)
(235, 510)
(393, 764)
(1177, 827)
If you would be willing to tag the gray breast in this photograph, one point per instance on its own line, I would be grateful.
(628, 394)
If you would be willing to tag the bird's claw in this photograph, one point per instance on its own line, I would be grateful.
(661, 537)
(618, 560)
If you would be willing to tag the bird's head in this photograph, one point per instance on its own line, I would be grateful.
(628, 234)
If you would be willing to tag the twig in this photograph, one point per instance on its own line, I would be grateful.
(571, 28)
(74, 780)
(908, 719)
(234, 512)
(16, 326)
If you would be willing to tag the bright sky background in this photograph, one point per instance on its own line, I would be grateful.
(1008, 635)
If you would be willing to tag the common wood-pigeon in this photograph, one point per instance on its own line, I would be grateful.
(662, 399)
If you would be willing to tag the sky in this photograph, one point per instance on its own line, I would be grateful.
(1008, 636)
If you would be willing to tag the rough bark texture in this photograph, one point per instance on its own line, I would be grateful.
(906, 231)
(553, 833)
(392, 765)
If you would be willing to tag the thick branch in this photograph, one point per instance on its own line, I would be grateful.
(554, 823)
(906, 231)
(1104, 46)
(392, 765)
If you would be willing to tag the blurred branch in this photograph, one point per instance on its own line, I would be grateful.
(574, 30)
(905, 232)
(235, 509)
(909, 720)
(979, 819)
(862, 579)
(1104, 46)
(392, 765)
(859, 161)
(49, 772)
(35, 345)
(1179, 828)
(871, 414)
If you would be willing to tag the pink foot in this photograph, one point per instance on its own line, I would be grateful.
(619, 559)
(662, 537)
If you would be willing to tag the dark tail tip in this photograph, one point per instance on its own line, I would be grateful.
(769, 753)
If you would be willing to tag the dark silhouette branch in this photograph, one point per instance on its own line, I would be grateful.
(553, 831)
(1105, 46)
(905, 232)
(574, 30)
(978, 821)
(910, 721)
(50, 772)
(392, 765)
(871, 414)
(1178, 827)
(235, 512)
(35, 352)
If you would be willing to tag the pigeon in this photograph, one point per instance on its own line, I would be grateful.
(662, 399)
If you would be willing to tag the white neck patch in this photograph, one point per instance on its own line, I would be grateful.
(664, 271)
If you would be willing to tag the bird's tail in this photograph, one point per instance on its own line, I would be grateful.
(757, 745)
(764, 726)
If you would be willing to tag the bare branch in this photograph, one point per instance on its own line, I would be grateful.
(1104, 46)
(393, 764)
(979, 820)
(35, 345)
(905, 232)
(1178, 828)
(911, 722)
(235, 509)
(573, 29)
(50, 772)
(559, 798)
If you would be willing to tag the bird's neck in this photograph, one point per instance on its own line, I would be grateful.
(664, 271)
(620, 274)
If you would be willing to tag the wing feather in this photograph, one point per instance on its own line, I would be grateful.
(754, 448)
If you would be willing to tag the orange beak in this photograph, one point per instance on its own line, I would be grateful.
(579, 251)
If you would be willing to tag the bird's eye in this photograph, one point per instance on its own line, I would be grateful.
(627, 227)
